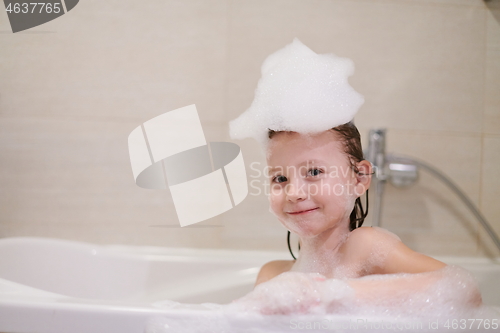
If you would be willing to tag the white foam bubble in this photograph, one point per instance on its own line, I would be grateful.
(299, 91)
(440, 301)
(444, 294)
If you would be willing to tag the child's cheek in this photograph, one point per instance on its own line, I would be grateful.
(275, 206)
(344, 192)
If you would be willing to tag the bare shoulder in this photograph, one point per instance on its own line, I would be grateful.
(364, 240)
(272, 269)
(388, 253)
(372, 234)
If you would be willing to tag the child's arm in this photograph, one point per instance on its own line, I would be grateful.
(296, 292)
(451, 284)
(384, 252)
(404, 260)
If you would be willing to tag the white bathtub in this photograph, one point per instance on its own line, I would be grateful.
(52, 286)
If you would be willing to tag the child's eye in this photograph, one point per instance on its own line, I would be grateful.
(314, 172)
(280, 179)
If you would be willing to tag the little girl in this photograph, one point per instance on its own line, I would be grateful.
(315, 182)
(304, 107)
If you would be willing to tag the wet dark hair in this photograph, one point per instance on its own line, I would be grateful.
(350, 137)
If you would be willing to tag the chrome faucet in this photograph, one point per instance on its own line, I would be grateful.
(386, 168)
(376, 156)
(402, 171)
(376, 151)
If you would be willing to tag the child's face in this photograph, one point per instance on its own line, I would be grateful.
(313, 186)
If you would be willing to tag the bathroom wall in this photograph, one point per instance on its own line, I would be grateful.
(71, 91)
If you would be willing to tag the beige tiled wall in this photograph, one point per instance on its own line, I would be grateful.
(71, 91)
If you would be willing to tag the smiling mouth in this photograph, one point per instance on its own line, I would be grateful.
(302, 211)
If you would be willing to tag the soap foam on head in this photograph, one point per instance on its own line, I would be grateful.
(299, 91)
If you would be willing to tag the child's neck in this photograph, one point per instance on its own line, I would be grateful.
(320, 254)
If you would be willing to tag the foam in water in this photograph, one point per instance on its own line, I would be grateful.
(299, 91)
(437, 301)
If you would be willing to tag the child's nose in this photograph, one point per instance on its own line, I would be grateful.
(295, 191)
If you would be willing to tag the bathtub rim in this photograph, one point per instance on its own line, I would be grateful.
(153, 253)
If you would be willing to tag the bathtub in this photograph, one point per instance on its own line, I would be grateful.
(60, 286)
